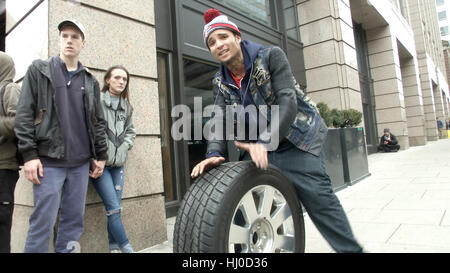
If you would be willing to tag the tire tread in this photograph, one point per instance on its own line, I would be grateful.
(203, 199)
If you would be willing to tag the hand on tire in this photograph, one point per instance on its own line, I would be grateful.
(206, 164)
(257, 152)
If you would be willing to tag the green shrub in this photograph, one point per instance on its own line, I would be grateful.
(324, 111)
(339, 118)
(353, 116)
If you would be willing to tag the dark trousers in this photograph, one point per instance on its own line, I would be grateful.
(313, 185)
(389, 148)
(8, 180)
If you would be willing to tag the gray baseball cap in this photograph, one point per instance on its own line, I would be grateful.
(74, 23)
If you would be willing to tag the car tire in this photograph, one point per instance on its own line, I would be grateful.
(239, 208)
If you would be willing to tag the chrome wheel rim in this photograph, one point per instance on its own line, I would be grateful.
(262, 223)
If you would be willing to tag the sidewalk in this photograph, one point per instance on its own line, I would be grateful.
(404, 206)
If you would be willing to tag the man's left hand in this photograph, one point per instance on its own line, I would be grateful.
(97, 168)
(257, 152)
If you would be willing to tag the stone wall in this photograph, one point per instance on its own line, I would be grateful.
(118, 32)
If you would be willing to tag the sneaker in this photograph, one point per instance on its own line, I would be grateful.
(114, 248)
(127, 249)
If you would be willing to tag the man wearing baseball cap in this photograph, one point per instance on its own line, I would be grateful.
(61, 132)
(252, 74)
(75, 24)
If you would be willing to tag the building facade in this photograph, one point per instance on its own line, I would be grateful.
(446, 47)
(443, 12)
(383, 58)
(387, 54)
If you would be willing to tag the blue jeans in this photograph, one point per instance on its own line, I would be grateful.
(64, 189)
(313, 186)
(109, 186)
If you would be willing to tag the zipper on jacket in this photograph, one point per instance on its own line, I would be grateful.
(57, 118)
(86, 113)
(239, 92)
(115, 132)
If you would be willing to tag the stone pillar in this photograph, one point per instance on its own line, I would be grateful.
(329, 50)
(388, 88)
(115, 35)
(439, 104)
(413, 102)
(429, 105)
(430, 116)
(447, 107)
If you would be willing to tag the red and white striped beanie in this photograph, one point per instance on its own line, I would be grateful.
(215, 20)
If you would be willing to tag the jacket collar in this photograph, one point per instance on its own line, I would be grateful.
(45, 67)
(61, 63)
(250, 53)
(106, 97)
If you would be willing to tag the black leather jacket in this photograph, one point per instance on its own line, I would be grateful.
(37, 124)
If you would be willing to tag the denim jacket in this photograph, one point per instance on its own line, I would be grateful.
(272, 83)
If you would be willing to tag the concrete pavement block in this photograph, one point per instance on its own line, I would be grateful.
(373, 232)
(422, 235)
(437, 194)
(446, 219)
(366, 203)
(402, 248)
(419, 205)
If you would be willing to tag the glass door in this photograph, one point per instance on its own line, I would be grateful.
(170, 186)
(197, 84)
(366, 84)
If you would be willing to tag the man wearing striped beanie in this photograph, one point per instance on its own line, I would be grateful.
(215, 20)
(254, 75)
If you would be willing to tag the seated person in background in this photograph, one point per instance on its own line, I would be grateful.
(388, 142)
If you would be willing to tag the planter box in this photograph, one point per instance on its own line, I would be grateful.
(333, 153)
(354, 155)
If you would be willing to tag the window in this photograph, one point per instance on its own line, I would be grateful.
(2, 25)
(262, 11)
(440, 2)
(442, 15)
(290, 19)
(444, 31)
(402, 8)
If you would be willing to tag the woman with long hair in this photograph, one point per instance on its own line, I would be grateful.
(120, 133)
